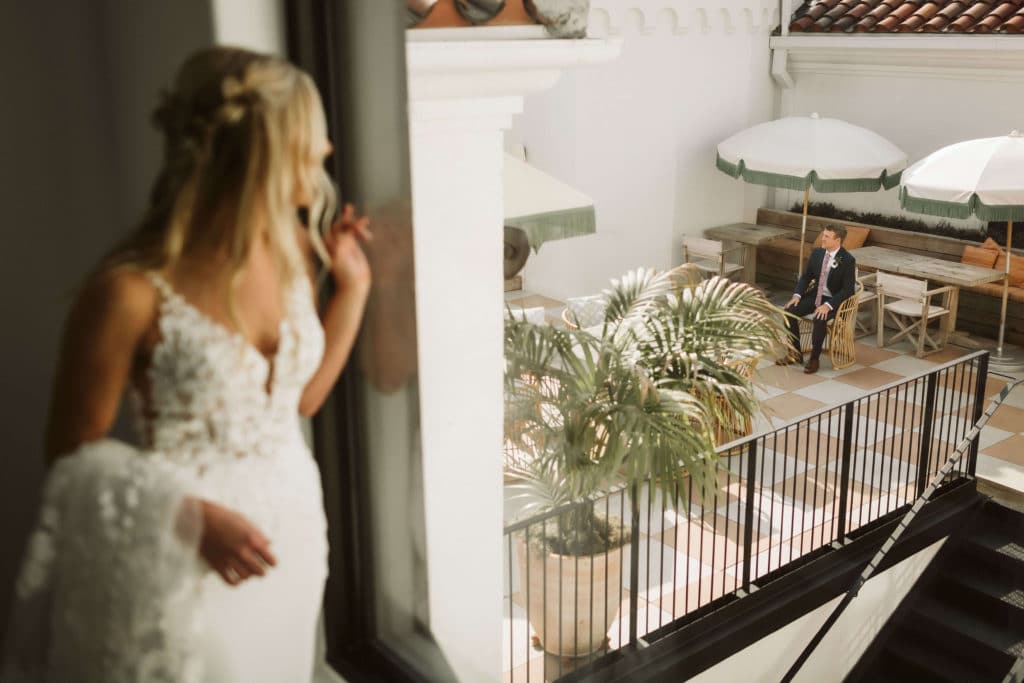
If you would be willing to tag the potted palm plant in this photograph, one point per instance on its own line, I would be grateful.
(637, 400)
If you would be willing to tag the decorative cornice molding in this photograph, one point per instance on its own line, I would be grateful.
(681, 18)
(480, 84)
(974, 58)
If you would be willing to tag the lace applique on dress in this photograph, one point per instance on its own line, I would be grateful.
(112, 589)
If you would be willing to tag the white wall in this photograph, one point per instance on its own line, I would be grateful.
(919, 110)
(639, 134)
(770, 658)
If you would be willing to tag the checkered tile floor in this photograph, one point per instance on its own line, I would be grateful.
(687, 561)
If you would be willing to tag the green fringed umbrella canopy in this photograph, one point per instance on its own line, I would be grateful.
(542, 206)
(801, 152)
(983, 178)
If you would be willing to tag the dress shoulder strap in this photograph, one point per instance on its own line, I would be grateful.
(161, 284)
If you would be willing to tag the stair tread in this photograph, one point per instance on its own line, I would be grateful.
(931, 657)
(999, 540)
(1007, 639)
(1006, 589)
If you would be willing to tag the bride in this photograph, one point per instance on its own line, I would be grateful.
(202, 555)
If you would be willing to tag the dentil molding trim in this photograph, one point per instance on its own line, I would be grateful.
(681, 17)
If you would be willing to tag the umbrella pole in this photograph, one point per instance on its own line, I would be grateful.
(1006, 286)
(1003, 361)
(803, 231)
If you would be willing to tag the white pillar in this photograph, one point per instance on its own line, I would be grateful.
(463, 95)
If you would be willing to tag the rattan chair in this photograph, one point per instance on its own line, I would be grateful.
(735, 426)
(840, 333)
(584, 311)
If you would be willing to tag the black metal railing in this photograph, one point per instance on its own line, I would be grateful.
(781, 498)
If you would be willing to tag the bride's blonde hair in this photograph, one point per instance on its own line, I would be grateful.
(239, 128)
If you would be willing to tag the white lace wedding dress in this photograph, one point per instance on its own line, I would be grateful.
(113, 590)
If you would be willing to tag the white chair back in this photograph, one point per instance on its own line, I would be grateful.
(900, 286)
(702, 247)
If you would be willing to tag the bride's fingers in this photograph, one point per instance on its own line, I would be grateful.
(264, 554)
(248, 558)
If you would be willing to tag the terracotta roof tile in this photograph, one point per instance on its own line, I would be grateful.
(904, 11)
(880, 12)
(927, 10)
(844, 23)
(986, 25)
(902, 16)
(1004, 11)
(889, 24)
(911, 24)
(859, 11)
(962, 23)
(935, 24)
(977, 10)
(816, 11)
(952, 10)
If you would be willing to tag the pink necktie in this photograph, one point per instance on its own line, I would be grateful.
(821, 279)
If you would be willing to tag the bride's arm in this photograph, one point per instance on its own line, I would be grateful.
(101, 338)
(343, 313)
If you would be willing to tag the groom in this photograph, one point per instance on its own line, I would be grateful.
(820, 295)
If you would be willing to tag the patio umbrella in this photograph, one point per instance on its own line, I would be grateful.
(539, 208)
(801, 152)
(983, 178)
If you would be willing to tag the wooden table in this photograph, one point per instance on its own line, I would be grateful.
(928, 268)
(751, 235)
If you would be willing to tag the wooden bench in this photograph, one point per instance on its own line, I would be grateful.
(979, 305)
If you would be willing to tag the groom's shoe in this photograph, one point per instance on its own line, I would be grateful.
(811, 367)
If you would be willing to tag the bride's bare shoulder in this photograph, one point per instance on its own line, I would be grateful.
(126, 294)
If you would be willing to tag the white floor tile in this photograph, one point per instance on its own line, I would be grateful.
(906, 366)
(767, 391)
(770, 466)
(878, 471)
(668, 569)
(830, 392)
(772, 512)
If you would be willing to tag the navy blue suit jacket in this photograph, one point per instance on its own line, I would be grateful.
(841, 281)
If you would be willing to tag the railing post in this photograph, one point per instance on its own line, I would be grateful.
(926, 432)
(979, 407)
(748, 517)
(634, 563)
(844, 478)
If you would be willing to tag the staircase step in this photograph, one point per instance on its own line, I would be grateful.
(984, 587)
(921, 657)
(1011, 553)
(978, 637)
(1009, 519)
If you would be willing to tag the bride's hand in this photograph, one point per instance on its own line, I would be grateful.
(348, 262)
(232, 545)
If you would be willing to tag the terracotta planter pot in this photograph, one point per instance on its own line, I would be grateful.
(580, 626)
